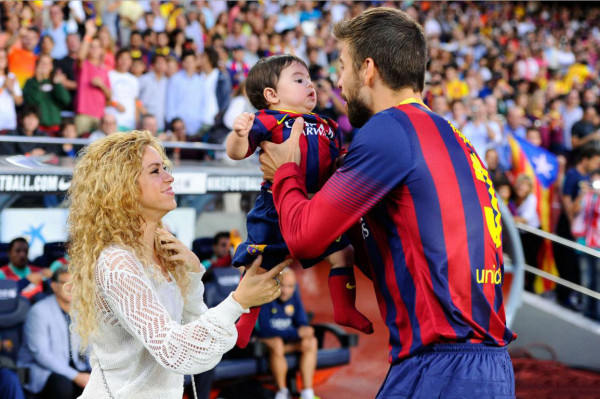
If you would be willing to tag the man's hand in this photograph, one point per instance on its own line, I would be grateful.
(275, 155)
(35, 278)
(243, 123)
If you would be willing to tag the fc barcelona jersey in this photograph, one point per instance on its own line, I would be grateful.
(320, 143)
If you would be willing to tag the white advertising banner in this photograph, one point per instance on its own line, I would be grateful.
(40, 226)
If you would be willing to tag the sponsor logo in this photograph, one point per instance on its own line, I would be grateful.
(489, 276)
(34, 183)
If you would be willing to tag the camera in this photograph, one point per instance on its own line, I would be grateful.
(596, 184)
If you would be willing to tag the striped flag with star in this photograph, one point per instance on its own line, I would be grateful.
(542, 167)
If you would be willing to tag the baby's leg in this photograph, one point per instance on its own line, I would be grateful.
(342, 288)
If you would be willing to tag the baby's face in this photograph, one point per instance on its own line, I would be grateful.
(295, 91)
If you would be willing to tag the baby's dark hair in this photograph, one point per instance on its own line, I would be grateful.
(265, 74)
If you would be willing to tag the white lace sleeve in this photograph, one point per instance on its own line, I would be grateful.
(185, 349)
(194, 305)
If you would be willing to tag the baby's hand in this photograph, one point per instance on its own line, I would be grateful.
(243, 123)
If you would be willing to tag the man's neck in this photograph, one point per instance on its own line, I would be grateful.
(63, 305)
(387, 98)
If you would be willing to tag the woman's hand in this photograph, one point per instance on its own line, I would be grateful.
(181, 252)
(258, 288)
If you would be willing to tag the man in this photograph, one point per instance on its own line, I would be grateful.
(67, 66)
(108, 126)
(58, 31)
(153, 89)
(585, 131)
(29, 277)
(183, 100)
(587, 159)
(125, 90)
(425, 212)
(50, 350)
(283, 327)
(21, 60)
(221, 251)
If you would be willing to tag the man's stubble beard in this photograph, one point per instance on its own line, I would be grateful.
(359, 111)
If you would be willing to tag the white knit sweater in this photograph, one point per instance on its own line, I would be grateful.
(140, 343)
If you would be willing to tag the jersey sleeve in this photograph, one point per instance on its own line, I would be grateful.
(258, 133)
(379, 159)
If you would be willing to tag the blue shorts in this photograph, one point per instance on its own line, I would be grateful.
(452, 371)
(264, 236)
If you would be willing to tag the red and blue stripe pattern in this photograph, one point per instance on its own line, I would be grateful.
(320, 144)
(430, 222)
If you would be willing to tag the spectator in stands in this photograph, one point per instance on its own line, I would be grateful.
(124, 93)
(482, 133)
(68, 130)
(46, 46)
(137, 48)
(29, 277)
(283, 327)
(571, 113)
(586, 230)
(149, 123)
(10, 96)
(46, 92)
(221, 251)
(217, 81)
(30, 122)
(108, 48)
(183, 100)
(21, 60)
(586, 130)
(515, 122)
(153, 89)
(58, 31)
(328, 104)
(93, 85)
(238, 69)
(525, 211)
(492, 163)
(238, 105)
(108, 126)
(586, 160)
(50, 350)
(67, 66)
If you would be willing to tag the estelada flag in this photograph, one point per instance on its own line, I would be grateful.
(542, 167)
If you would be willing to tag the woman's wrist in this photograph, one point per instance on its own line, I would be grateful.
(236, 297)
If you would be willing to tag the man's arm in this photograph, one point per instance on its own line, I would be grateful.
(378, 160)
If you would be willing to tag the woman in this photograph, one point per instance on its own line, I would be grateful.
(46, 92)
(108, 45)
(10, 96)
(130, 277)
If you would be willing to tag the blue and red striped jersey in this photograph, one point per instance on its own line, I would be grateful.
(320, 144)
(430, 226)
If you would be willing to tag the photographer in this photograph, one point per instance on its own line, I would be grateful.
(586, 229)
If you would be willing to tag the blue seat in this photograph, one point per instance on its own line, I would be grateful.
(221, 282)
(13, 311)
(52, 251)
(202, 247)
(3, 253)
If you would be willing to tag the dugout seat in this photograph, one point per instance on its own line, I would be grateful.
(202, 247)
(52, 251)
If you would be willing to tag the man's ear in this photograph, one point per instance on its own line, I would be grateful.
(369, 71)
(270, 95)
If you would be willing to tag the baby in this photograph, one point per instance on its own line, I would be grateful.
(280, 87)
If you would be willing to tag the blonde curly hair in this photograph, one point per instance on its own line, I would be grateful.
(104, 209)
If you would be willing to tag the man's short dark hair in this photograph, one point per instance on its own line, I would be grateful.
(213, 56)
(28, 110)
(587, 152)
(395, 42)
(14, 241)
(187, 54)
(64, 269)
(265, 74)
(219, 236)
(121, 52)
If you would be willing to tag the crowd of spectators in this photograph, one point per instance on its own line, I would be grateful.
(177, 68)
